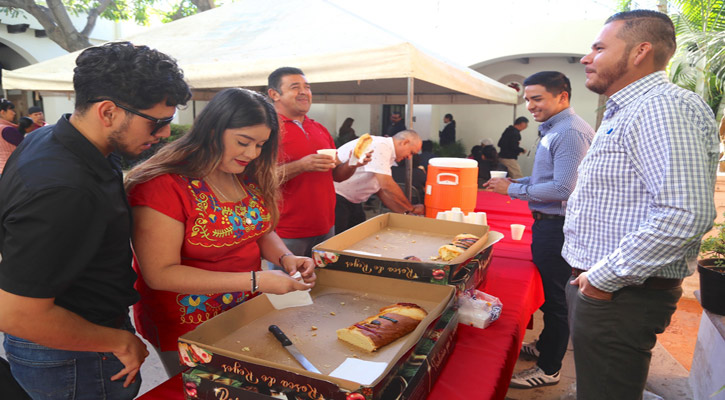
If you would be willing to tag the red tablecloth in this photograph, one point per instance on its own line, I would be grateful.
(502, 211)
(482, 362)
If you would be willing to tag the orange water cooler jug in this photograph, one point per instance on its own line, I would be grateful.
(450, 182)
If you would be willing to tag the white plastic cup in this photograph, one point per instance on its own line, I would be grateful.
(470, 218)
(517, 231)
(478, 218)
(481, 218)
(328, 152)
(441, 215)
(454, 216)
(498, 174)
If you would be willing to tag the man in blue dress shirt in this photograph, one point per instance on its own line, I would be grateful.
(565, 138)
(643, 201)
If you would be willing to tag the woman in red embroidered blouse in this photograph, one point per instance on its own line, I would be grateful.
(204, 210)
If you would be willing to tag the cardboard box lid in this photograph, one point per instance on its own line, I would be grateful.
(394, 236)
(340, 300)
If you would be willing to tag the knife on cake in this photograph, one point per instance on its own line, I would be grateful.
(287, 344)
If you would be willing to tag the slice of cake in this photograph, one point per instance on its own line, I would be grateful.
(391, 323)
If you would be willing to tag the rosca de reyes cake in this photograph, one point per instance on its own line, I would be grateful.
(460, 244)
(391, 323)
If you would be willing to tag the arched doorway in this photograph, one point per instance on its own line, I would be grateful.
(10, 59)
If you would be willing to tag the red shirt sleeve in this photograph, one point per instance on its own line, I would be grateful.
(164, 194)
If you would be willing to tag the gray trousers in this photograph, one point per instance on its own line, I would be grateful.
(302, 246)
(613, 340)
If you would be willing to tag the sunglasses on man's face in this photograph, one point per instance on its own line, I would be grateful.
(160, 123)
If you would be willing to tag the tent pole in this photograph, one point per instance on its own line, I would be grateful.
(409, 162)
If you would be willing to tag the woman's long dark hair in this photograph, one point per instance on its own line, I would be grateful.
(199, 152)
(347, 124)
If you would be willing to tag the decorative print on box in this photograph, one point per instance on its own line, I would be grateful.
(192, 355)
(322, 258)
(464, 276)
(225, 378)
(411, 379)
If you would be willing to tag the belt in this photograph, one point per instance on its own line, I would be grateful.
(539, 216)
(654, 282)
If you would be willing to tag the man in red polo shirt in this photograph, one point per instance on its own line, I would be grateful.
(308, 195)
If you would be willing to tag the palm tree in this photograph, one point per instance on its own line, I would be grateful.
(699, 63)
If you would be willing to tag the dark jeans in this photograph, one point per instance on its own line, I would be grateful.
(347, 214)
(546, 243)
(52, 374)
(613, 340)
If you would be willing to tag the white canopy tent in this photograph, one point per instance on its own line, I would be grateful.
(346, 59)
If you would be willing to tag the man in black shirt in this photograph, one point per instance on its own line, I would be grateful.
(396, 124)
(65, 277)
(509, 144)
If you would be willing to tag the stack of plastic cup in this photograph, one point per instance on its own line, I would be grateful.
(455, 214)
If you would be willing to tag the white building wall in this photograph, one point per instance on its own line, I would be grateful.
(331, 116)
(325, 114)
(422, 122)
(360, 113)
(475, 122)
(186, 115)
(56, 104)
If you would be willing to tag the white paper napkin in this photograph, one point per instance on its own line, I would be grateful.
(297, 298)
(360, 371)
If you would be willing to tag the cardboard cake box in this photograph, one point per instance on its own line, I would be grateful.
(380, 245)
(234, 354)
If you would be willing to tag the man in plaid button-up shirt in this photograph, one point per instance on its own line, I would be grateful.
(643, 200)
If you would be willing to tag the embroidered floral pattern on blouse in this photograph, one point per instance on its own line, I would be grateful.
(220, 224)
(196, 309)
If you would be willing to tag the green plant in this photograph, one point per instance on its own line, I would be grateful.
(176, 132)
(450, 150)
(713, 247)
(699, 63)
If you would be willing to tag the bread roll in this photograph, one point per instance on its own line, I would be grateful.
(362, 144)
(391, 323)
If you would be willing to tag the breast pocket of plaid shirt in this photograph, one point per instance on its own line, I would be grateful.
(606, 173)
